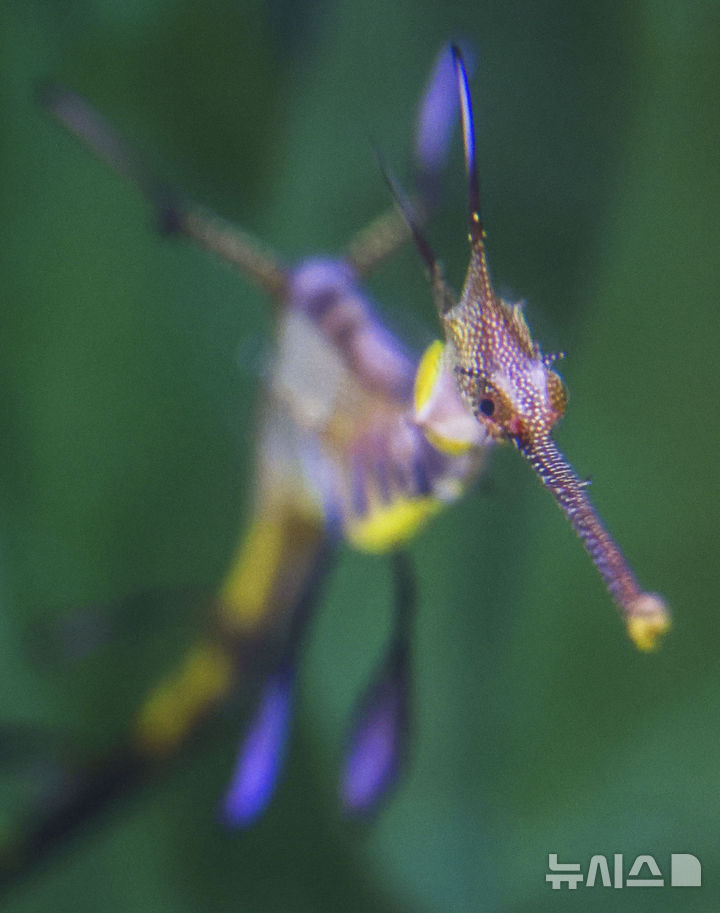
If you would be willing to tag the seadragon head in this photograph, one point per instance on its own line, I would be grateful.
(499, 370)
(513, 392)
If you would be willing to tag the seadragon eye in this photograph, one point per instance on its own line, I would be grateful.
(487, 402)
(486, 406)
(493, 409)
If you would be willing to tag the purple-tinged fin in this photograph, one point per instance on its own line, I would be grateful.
(262, 752)
(378, 741)
(436, 116)
(468, 130)
(435, 122)
(379, 738)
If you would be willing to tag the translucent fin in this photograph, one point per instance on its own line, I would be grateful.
(477, 233)
(262, 751)
(436, 119)
(297, 556)
(378, 743)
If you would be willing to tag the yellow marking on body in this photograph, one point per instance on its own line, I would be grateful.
(247, 588)
(391, 526)
(173, 708)
(270, 564)
(447, 445)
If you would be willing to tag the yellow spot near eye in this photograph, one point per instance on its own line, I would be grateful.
(428, 373)
(390, 526)
(427, 377)
(175, 705)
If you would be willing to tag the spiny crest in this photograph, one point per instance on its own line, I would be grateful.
(499, 369)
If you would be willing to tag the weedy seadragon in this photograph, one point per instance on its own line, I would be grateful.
(360, 443)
